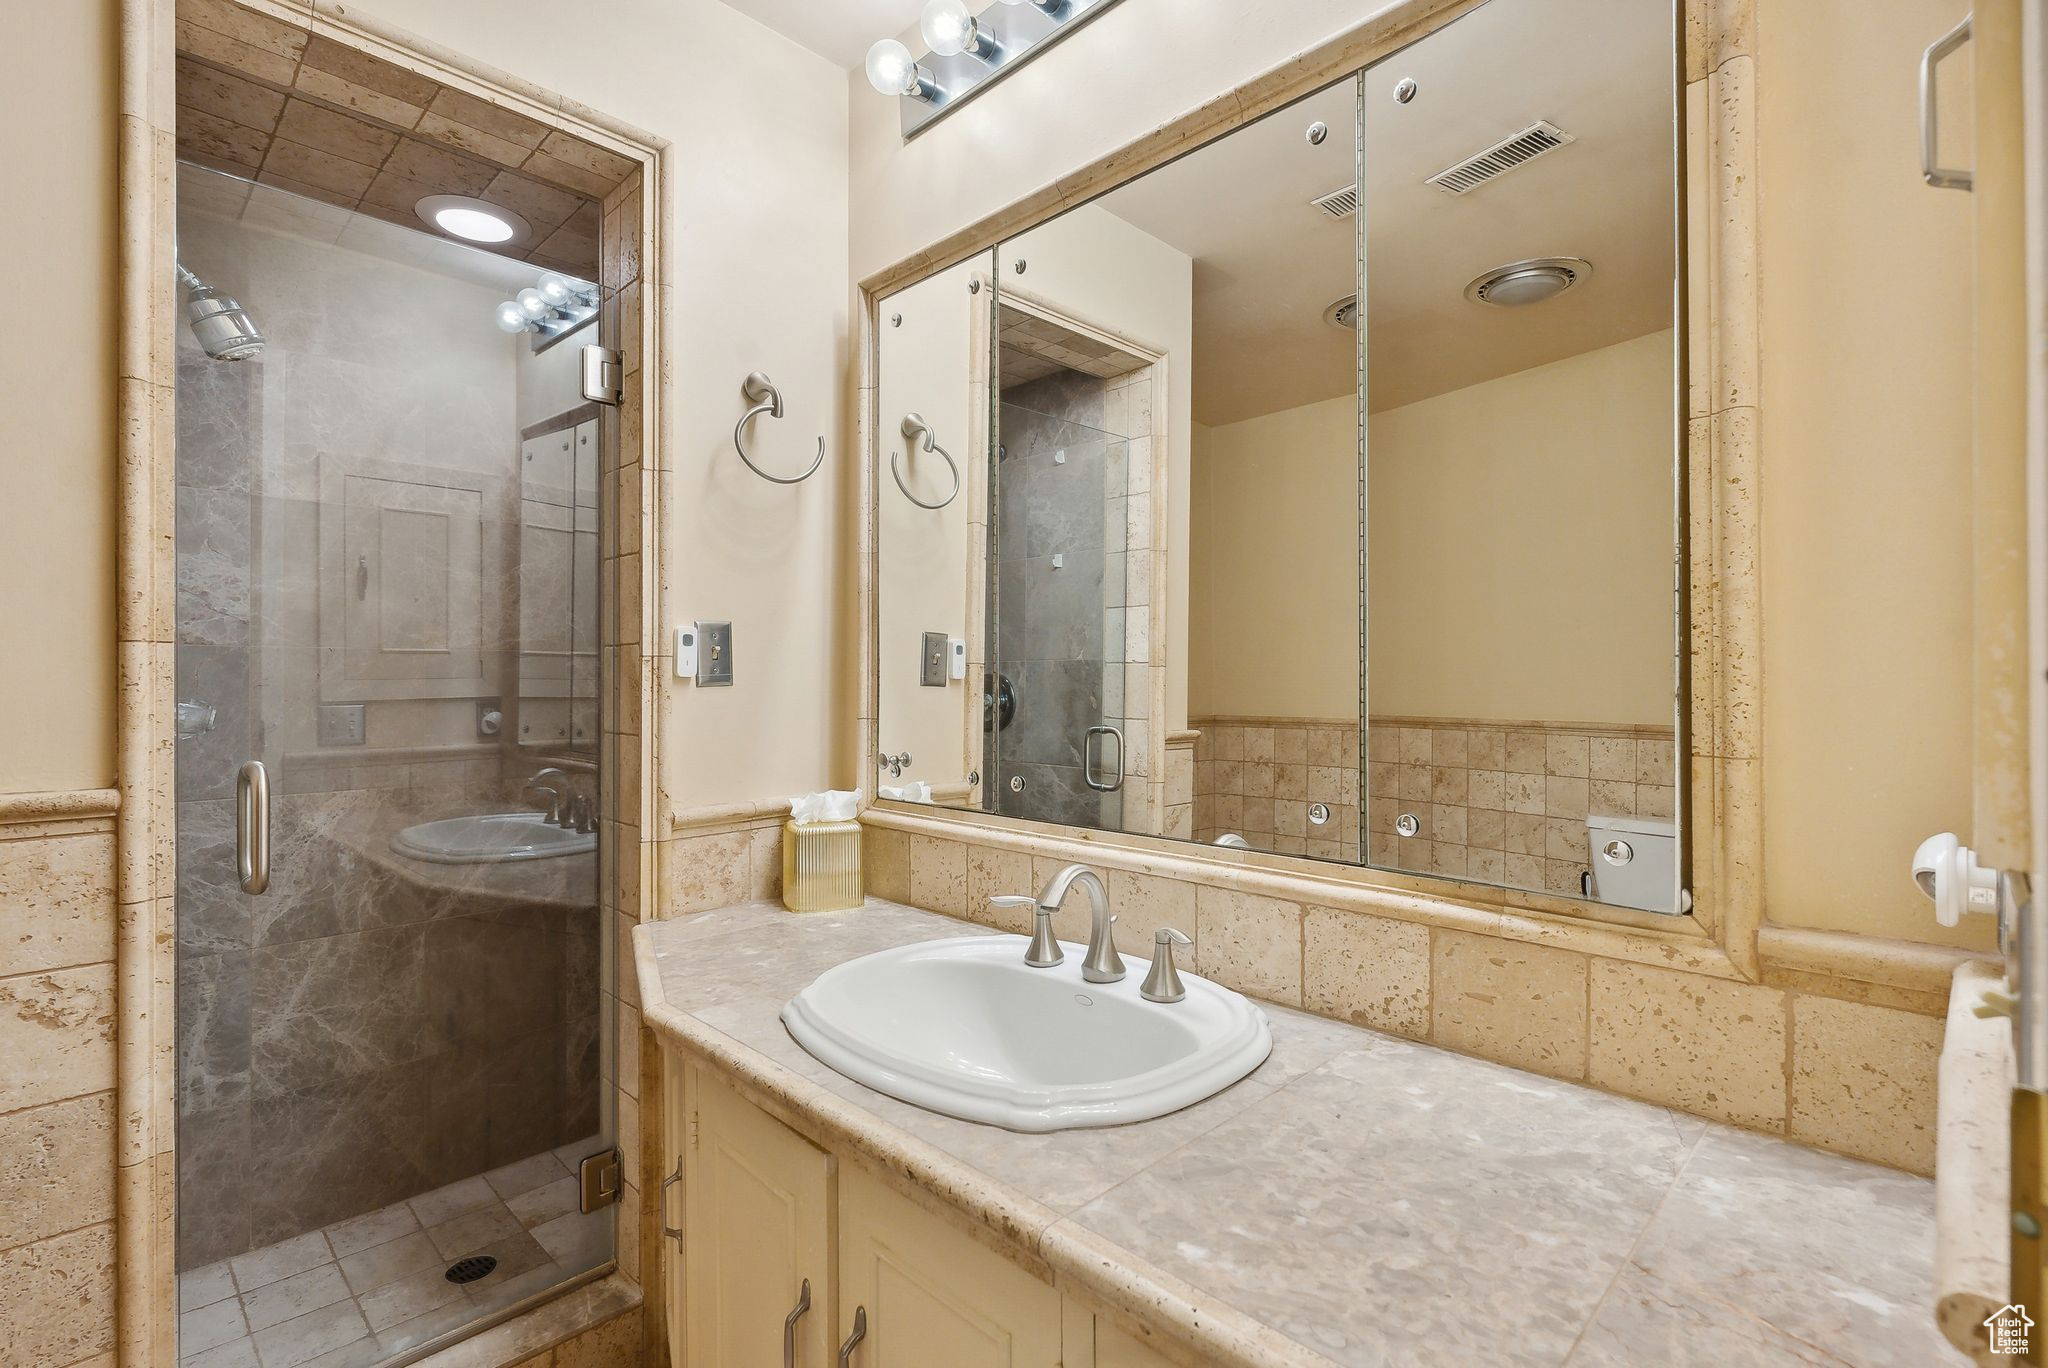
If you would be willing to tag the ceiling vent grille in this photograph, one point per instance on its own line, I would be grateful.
(1338, 204)
(1501, 158)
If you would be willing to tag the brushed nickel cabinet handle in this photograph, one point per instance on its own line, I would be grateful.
(1939, 176)
(252, 826)
(860, 1332)
(671, 1232)
(803, 1304)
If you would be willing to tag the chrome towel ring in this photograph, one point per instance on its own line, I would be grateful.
(761, 392)
(915, 427)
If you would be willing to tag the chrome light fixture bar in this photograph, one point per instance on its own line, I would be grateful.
(969, 52)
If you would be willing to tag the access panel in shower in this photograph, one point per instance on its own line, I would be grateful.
(390, 945)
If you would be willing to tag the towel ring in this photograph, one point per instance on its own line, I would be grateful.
(915, 427)
(761, 391)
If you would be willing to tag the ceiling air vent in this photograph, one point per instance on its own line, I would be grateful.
(1338, 204)
(1501, 158)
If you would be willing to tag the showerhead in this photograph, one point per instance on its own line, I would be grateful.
(221, 325)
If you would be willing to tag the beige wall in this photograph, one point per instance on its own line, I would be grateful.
(1485, 603)
(1521, 537)
(1273, 565)
(758, 264)
(1866, 471)
(57, 120)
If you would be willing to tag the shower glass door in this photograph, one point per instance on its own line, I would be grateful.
(1057, 734)
(389, 1028)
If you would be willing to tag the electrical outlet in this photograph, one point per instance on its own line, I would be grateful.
(341, 724)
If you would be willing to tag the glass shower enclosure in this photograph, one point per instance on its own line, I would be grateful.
(1059, 638)
(389, 943)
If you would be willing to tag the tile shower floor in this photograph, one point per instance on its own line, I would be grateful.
(372, 1287)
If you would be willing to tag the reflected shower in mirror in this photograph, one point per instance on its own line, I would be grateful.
(1188, 448)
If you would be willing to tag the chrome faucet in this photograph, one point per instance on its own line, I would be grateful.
(1103, 964)
(554, 784)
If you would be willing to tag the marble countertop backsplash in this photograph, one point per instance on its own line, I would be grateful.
(1359, 1199)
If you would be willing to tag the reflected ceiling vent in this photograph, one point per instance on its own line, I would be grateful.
(1501, 158)
(1343, 313)
(1338, 204)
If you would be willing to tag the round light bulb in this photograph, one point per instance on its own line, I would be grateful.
(891, 69)
(534, 304)
(556, 289)
(511, 317)
(948, 28)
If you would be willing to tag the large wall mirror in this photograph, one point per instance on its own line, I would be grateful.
(1317, 492)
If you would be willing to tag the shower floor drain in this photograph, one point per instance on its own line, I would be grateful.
(470, 1269)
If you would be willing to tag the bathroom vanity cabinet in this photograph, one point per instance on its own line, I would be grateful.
(763, 1211)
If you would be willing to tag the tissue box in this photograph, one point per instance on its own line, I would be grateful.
(821, 866)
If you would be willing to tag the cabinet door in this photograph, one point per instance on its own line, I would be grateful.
(932, 1294)
(756, 1225)
(1115, 1349)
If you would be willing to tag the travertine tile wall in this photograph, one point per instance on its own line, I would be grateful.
(1848, 1073)
(1258, 777)
(57, 1106)
(1503, 802)
(1507, 802)
(267, 101)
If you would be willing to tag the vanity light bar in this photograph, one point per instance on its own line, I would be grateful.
(999, 39)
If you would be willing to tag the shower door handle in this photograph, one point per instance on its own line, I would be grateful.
(1088, 759)
(252, 826)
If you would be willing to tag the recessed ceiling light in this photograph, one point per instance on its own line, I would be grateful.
(471, 219)
(1528, 282)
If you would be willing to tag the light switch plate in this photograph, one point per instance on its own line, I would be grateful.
(931, 662)
(714, 654)
(341, 724)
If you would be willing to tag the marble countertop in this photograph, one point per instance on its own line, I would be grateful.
(1360, 1200)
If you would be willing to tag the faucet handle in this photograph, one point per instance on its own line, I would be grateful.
(1044, 951)
(1163, 983)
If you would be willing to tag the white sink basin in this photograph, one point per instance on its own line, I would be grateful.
(965, 1028)
(489, 838)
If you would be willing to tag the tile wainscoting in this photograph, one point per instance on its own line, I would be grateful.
(1502, 802)
(57, 1104)
(1849, 1069)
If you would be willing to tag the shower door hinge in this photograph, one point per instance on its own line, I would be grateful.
(604, 374)
(597, 1180)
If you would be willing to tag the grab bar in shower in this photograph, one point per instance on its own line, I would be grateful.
(765, 398)
(916, 429)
